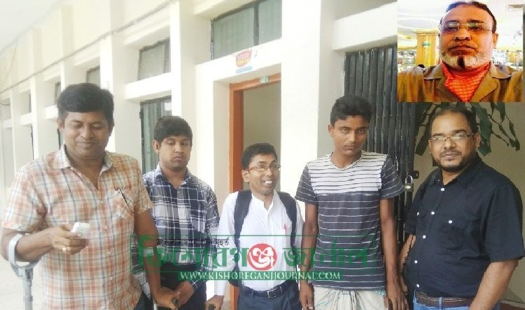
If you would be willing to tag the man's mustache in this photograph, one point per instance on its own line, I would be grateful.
(472, 46)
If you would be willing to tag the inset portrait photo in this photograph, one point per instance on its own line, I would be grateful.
(460, 51)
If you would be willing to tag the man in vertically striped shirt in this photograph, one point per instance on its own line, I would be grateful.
(349, 218)
(82, 182)
(185, 213)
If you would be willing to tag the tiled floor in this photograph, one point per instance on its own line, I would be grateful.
(12, 289)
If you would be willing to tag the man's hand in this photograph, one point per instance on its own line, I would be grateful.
(395, 294)
(215, 301)
(62, 239)
(184, 292)
(306, 295)
(403, 255)
(163, 298)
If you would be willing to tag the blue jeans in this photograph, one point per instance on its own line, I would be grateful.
(418, 306)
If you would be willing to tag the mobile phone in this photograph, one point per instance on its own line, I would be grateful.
(81, 228)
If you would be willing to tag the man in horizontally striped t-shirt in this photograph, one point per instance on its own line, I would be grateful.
(349, 201)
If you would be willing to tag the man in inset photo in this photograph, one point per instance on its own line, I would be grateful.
(465, 72)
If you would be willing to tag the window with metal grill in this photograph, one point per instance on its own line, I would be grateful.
(253, 24)
(93, 75)
(150, 112)
(154, 60)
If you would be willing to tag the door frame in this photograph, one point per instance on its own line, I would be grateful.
(237, 140)
(237, 124)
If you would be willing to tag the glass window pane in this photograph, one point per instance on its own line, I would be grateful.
(60, 139)
(151, 111)
(5, 111)
(270, 16)
(93, 76)
(58, 90)
(152, 61)
(233, 33)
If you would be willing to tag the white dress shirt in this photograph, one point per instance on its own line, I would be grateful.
(261, 226)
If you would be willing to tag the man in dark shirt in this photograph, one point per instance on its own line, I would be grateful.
(465, 224)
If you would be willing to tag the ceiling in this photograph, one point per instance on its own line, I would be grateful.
(17, 16)
(414, 16)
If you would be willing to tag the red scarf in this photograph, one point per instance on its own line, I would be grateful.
(464, 84)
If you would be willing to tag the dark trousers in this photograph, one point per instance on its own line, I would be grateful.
(169, 278)
(144, 303)
(287, 301)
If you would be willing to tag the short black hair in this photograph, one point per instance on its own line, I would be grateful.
(469, 116)
(477, 4)
(85, 97)
(254, 150)
(168, 126)
(350, 105)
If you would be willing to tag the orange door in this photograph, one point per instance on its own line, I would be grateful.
(237, 141)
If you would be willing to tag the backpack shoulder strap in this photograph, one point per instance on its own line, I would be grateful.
(242, 205)
(291, 210)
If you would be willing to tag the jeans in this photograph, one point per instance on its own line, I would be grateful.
(289, 300)
(169, 278)
(418, 306)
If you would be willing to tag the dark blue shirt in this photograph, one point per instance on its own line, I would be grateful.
(461, 228)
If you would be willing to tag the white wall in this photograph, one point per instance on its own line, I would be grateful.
(262, 118)
(301, 64)
(50, 32)
(136, 8)
(508, 162)
(88, 21)
(8, 173)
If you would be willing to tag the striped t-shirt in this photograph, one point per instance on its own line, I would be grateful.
(347, 201)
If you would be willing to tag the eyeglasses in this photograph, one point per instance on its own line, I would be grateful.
(261, 167)
(456, 138)
(472, 27)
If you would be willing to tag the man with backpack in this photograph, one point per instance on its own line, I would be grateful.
(265, 226)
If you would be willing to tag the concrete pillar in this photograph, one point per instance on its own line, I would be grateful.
(307, 32)
(426, 48)
(3, 159)
(118, 65)
(68, 73)
(42, 95)
(22, 146)
(189, 46)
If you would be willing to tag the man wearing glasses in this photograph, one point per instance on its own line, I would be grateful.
(465, 223)
(467, 38)
(263, 238)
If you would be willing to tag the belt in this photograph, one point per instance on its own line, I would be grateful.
(446, 302)
(271, 293)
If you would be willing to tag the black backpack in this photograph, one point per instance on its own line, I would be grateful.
(241, 210)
